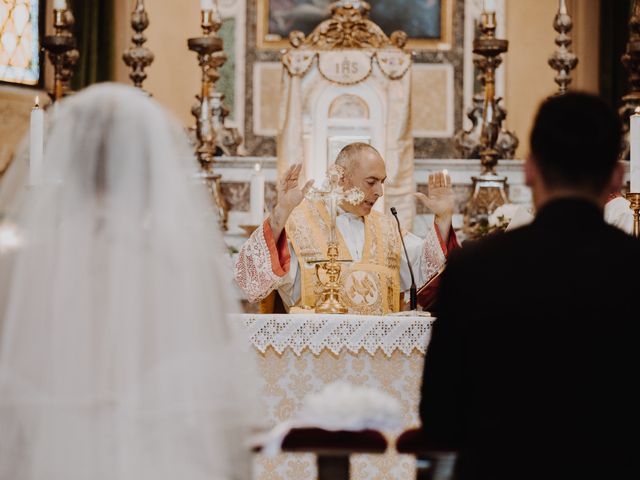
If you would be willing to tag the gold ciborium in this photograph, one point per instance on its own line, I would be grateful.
(330, 300)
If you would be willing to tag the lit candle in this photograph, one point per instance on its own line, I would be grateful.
(206, 5)
(257, 195)
(59, 4)
(489, 5)
(36, 143)
(634, 140)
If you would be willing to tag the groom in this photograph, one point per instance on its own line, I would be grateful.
(531, 368)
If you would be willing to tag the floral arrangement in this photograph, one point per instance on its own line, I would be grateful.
(501, 217)
(497, 222)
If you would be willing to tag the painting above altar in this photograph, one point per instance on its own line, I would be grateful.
(428, 23)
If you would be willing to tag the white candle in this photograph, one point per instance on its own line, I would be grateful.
(634, 140)
(206, 5)
(257, 196)
(59, 4)
(489, 5)
(36, 144)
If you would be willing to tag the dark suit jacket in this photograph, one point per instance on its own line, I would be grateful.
(533, 366)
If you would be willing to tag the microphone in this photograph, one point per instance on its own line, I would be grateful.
(413, 293)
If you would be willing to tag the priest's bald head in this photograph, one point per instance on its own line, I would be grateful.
(363, 168)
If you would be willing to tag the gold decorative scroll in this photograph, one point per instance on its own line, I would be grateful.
(348, 67)
(348, 27)
(393, 63)
(345, 46)
(345, 67)
(298, 62)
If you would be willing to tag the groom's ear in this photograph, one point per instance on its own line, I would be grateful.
(616, 180)
(531, 171)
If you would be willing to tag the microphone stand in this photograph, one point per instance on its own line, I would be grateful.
(413, 292)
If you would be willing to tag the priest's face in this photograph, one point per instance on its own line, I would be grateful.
(368, 173)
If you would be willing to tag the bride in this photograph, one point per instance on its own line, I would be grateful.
(117, 361)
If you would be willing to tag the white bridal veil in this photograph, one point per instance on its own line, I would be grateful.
(117, 361)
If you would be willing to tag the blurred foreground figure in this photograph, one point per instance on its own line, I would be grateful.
(532, 366)
(117, 361)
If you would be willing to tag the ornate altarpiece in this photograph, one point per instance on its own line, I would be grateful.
(348, 82)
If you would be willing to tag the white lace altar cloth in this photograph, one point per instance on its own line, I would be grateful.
(300, 354)
(337, 332)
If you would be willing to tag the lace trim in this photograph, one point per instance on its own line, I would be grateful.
(433, 256)
(253, 269)
(337, 332)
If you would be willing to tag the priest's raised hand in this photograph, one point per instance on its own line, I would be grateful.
(289, 197)
(441, 200)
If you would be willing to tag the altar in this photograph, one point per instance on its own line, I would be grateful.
(299, 354)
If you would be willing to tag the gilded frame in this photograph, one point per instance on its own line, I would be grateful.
(267, 41)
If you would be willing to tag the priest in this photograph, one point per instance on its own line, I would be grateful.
(280, 256)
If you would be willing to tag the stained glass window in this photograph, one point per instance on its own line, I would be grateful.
(19, 59)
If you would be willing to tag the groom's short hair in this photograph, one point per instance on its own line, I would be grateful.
(575, 142)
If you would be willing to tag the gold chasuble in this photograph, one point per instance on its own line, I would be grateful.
(370, 286)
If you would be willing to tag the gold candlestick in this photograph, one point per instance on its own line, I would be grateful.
(210, 58)
(489, 188)
(138, 57)
(468, 141)
(563, 59)
(631, 61)
(634, 204)
(62, 51)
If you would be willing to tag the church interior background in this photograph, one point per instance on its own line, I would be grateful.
(444, 81)
(437, 129)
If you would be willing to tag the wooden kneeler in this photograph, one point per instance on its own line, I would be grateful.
(434, 462)
(333, 449)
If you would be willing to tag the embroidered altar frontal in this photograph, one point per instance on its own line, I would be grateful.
(300, 354)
